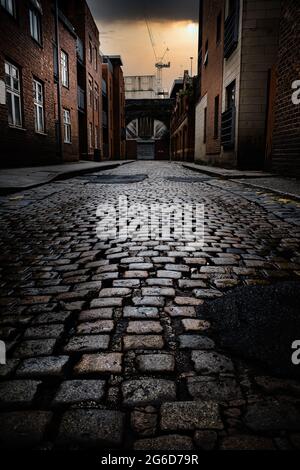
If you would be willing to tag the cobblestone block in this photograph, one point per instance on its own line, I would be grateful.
(184, 416)
(71, 392)
(91, 429)
(23, 429)
(211, 362)
(181, 311)
(18, 392)
(87, 343)
(143, 342)
(98, 326)
(156, 363)
(42, 367)
(99, 363)
(140, 312)
(144, 327)
(148, 391)
(171, 442)
(38, 347)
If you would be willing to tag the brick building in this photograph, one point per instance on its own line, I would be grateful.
(182, 127)
(284, 120)
(107, 108)
(119, 135)
(89, 77)
(238, 47)
(51, 85)
(29, 118)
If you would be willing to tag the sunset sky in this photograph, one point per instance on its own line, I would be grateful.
(123, 31)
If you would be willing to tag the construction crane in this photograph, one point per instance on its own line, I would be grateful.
(159, 63)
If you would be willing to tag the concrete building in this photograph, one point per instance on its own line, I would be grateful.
(38, 112)
(238, 47)
(140, 87)
(183, 119)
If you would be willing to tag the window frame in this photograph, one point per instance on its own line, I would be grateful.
(14, 93)
(35, 28)
(39, 105)
(217, 117)
(205, 125)
(91, 143)
(96, 97)
(219, 28)
(67, 126)
(96, 137)
(64, 68)
(5, 4)
(91, 91)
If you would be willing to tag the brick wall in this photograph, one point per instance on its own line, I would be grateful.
(69, 94)
(212, 73)
(24, 146)
(286, 138)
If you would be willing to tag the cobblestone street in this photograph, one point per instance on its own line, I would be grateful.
(109, 344)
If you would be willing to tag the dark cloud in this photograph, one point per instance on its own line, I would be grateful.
(163, 10)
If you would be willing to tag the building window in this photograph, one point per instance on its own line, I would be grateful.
(230, 96)
(96, 137)
(91, 135)
(67, 127)
(219, 27)
(216, 117)
(35, 25)
(90, 91)
(13, 94)
(96, 97)
(96, 59)
(9, 6)
(204, 125)
(90, 51)
(38, 93)
(64, 62)
(205, 61)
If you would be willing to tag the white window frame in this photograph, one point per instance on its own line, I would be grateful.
(38, 92)
(67, 126)
(9, 6)
(64, 66)
(35, 22)
(13, 90)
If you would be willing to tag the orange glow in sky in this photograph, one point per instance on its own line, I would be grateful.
(132, 42)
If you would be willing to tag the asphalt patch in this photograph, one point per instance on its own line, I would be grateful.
(260, 323)
(115, 179)
(189, 179)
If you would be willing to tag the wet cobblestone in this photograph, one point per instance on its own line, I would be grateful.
(112, 329)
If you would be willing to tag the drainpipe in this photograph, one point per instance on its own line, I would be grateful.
(59, 110)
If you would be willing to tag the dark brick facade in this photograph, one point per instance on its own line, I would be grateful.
(183, 121)
(286, 137)
(22, 146)
(119, 142)
(89, 76)
(212, 69)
